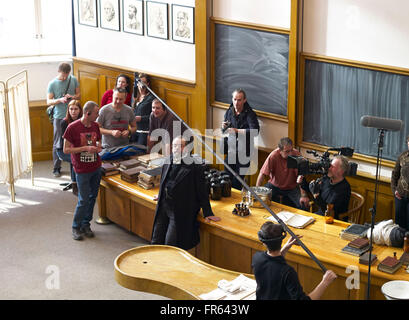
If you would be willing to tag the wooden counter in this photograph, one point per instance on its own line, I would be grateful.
(231, 242)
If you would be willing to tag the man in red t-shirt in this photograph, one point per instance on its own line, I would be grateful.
(82, 140)
(282, 180)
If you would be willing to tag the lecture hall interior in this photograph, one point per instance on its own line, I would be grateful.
(311, 69)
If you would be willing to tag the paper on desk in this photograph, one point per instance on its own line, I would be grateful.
(240, 288)
(292, 219)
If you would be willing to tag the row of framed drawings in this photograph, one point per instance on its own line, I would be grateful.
(133, 18)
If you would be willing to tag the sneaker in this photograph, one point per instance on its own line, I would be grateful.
(76, 234)
(75, 188)
(86, 231)
(57, 173)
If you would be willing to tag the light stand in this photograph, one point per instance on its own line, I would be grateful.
(373, 209)
(243, 183)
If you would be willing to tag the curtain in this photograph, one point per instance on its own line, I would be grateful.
(337, 96)
(20, 135)
(3, 141)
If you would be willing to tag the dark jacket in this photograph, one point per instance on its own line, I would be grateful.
(400, 175)
(188, 194)
(338, 194)
(276, 280)
(247, 119)
(144, 109)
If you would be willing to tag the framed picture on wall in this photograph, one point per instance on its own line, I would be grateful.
(87, 12)
(183, 23)
(157, 19)
(132, 12)
(109, 14)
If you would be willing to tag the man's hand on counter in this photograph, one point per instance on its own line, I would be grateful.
(213, 218)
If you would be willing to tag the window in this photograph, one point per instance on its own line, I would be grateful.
(35, 27)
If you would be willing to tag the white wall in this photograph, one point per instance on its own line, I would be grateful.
(143, 53)
(274, 13)
(374, 31)
(40, 73)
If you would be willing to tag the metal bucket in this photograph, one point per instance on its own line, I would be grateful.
(263, 193)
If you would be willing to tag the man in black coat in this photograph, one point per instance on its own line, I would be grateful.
(241, 124)
(181, 195)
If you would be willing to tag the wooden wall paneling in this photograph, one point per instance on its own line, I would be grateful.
(310, 277)
(118, 208)
(181, 102)
(90, 87)
(230, 255)
(385, 204)
(41, 131)
(141, 220)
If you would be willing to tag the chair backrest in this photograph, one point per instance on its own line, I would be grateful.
(354, 208)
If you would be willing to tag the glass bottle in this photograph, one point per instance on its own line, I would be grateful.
(406, 243)
(329, 214)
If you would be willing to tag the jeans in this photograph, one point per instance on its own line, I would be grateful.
(88, 186)
(67, 158)
(57, 134)
(402, 212)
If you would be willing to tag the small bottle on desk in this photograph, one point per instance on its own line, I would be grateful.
(406, 243)
(329, 214)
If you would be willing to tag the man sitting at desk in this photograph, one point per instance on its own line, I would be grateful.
(114, 121)
(282, 180)
(333, 188)
(181, 196)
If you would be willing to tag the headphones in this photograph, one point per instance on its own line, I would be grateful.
(263, 237)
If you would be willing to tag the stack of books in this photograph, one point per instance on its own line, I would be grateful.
(128, 164)
(108, 169)
(146, 158)
(355, 231)
(131, 175)
(357, 247)
(389, 265)
(364, 259)
(149, 179)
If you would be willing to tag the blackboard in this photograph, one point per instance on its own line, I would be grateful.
(336, 96)
(256, 61)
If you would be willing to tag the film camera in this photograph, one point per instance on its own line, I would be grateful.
(321, 167)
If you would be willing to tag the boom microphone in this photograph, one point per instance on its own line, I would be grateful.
(382, 123)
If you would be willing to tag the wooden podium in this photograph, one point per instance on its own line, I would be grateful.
(168, 271)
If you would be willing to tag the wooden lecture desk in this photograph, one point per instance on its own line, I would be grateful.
(231, 242)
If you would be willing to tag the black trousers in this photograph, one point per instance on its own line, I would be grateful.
(164, 229)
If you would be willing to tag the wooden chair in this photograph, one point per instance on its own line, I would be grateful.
(354, 208)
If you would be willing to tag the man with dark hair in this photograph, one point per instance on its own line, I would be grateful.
(276, 280)
(116, 121)
(60, 91)
(166, 122)
(240, 122)
(82, 140)
(282, 180)
(333, 188)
